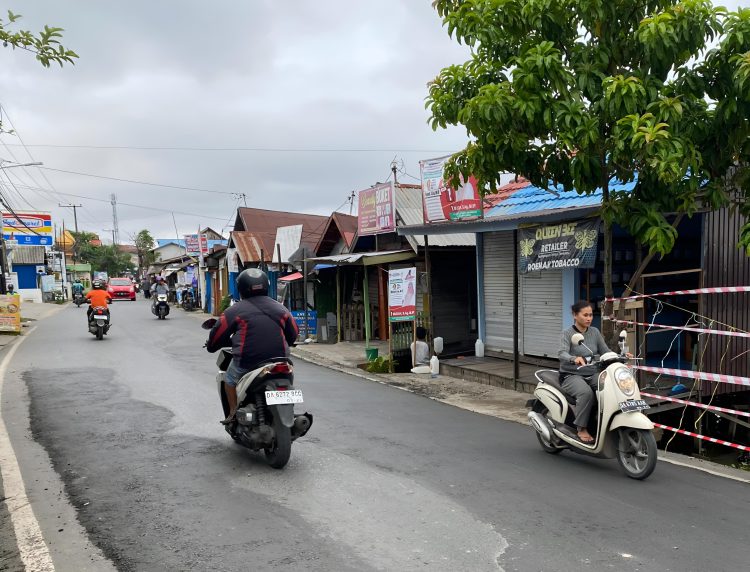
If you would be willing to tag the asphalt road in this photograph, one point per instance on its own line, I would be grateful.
(126, 431)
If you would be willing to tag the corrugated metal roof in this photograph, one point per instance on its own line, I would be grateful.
(530, 199)
(250, 246)
(28, 255)
(410, 212)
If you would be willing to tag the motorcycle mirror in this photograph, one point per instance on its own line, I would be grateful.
(577, 339)
(208, 324)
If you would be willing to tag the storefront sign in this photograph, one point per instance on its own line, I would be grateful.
(402, 294)
(312, 322)
(377, 210)
(445, 203)
(28, 228)
(10, 313)
(558, 246)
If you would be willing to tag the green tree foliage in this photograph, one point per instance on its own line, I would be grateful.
(144, 242)
(583, 92)
(45, 44)
(103, 258)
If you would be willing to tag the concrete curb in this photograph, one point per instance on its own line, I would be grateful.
(665, 456)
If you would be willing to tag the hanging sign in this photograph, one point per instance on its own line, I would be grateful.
(377, 212)
(10, 313)
(402, 294)
(442, 202)
(558, 246)
(28, 228)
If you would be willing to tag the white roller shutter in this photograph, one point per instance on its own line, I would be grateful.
(498, 291)
(541, 312)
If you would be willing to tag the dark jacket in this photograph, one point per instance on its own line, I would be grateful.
(258, 329)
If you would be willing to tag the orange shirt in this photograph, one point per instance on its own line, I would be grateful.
(98, 298)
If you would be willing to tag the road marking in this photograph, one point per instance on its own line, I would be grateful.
(704, 469)
(34, 552)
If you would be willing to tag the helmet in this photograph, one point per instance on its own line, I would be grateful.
(252, 282)
(97, 285)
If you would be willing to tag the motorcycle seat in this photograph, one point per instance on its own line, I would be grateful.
(552, 377)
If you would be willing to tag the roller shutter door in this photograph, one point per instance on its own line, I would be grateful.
(498, 291)
(541, 313)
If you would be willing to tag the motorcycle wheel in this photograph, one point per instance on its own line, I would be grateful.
(99, 333)
(278, 455)
(636, 452)
(546, 445)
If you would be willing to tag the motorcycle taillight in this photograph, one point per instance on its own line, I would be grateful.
(281, 368)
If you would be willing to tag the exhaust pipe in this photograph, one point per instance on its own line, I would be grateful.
(302, 423)
(539, 423)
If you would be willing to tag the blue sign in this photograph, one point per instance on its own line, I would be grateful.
(312, 322)
(30, 240)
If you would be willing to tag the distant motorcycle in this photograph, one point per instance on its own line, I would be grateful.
(99, 322)
(265, 417)
(78, 299)
(188, 303)
(160, 307)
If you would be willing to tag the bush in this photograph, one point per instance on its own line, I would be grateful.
(381, 364)
(225, 301)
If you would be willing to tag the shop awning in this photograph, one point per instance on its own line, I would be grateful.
(365, 258)
(291, 277)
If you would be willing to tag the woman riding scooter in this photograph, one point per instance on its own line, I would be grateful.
(576, 382)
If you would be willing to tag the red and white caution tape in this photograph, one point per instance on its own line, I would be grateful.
(717, 290)
(696, 404)
(699, 436)
(718, 377)
(738, 334)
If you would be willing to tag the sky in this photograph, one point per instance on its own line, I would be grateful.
(277, 104)
(322, 96)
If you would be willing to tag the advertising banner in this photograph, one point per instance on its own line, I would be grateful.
(442, 202)
(377, 210)
(192, 245)
(10, 313)
(558, 246)
(402, 294)
(312, 322)
(28, 228)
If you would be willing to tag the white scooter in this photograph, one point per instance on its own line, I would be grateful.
(620, 429)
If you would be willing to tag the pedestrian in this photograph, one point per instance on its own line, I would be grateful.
(420, 350)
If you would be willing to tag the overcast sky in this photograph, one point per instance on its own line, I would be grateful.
(294, 77)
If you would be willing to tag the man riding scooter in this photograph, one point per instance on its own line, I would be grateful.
(264, 330)
(98, 298)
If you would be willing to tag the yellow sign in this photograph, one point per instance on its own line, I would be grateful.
(10, 313)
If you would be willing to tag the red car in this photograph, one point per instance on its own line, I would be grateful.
(121, 289)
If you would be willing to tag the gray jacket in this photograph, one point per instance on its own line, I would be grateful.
(568, 351)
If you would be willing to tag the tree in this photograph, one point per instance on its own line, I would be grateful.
(103, 258)
(579, 93)
(45, 45)
(145, 243)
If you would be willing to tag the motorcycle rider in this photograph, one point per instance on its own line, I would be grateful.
(265, 329)
(97, 296)
(572, 356)
(77, 287)
(157, 288)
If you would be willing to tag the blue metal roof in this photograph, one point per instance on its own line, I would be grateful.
(181, 242)
(531, 199)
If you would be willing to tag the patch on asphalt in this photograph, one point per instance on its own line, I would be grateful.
(156, 501)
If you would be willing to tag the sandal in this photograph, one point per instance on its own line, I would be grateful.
(586, 440)
(228, 420)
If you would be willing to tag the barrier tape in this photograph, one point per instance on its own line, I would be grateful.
(738, 334)
(699, 436)
(719, 377)
(716, 290)
(696, 404)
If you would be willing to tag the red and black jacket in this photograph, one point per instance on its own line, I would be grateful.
(257, 328)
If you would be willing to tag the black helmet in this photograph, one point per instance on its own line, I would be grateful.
(252, 282)
(97, 285)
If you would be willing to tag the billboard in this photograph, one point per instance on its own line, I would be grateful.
(377, 210)
(28, 228)
(558, 246)
(402, 294)
(196, 244)
(442, 202)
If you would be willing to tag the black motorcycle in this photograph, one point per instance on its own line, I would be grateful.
(78, 299)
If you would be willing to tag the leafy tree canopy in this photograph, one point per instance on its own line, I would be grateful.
(582, 92)
(46, 44)
(144, 242)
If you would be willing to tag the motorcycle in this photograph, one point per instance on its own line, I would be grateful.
(99, 321)
(265, 417)
(188, 303)
(619, 427)
(160, 307)
(78, 299)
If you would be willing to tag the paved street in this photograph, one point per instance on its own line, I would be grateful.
(385, 480)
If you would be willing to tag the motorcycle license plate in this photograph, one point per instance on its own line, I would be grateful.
(633, 405)
(284, 397)
(105, 318)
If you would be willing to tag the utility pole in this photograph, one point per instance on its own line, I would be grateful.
(113, 231)
(75, 222)
(115, 223)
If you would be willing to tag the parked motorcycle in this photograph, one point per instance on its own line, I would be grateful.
(265, 417)
(619, 428)
(78, 299)
(99, 321)
(160, 307)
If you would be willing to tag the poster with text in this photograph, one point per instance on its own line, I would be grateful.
(402, 294)
(558, 246)
(442, 202)
(10, 313)
(377, 210)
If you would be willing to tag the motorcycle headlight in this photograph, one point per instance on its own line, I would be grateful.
(625, 380)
